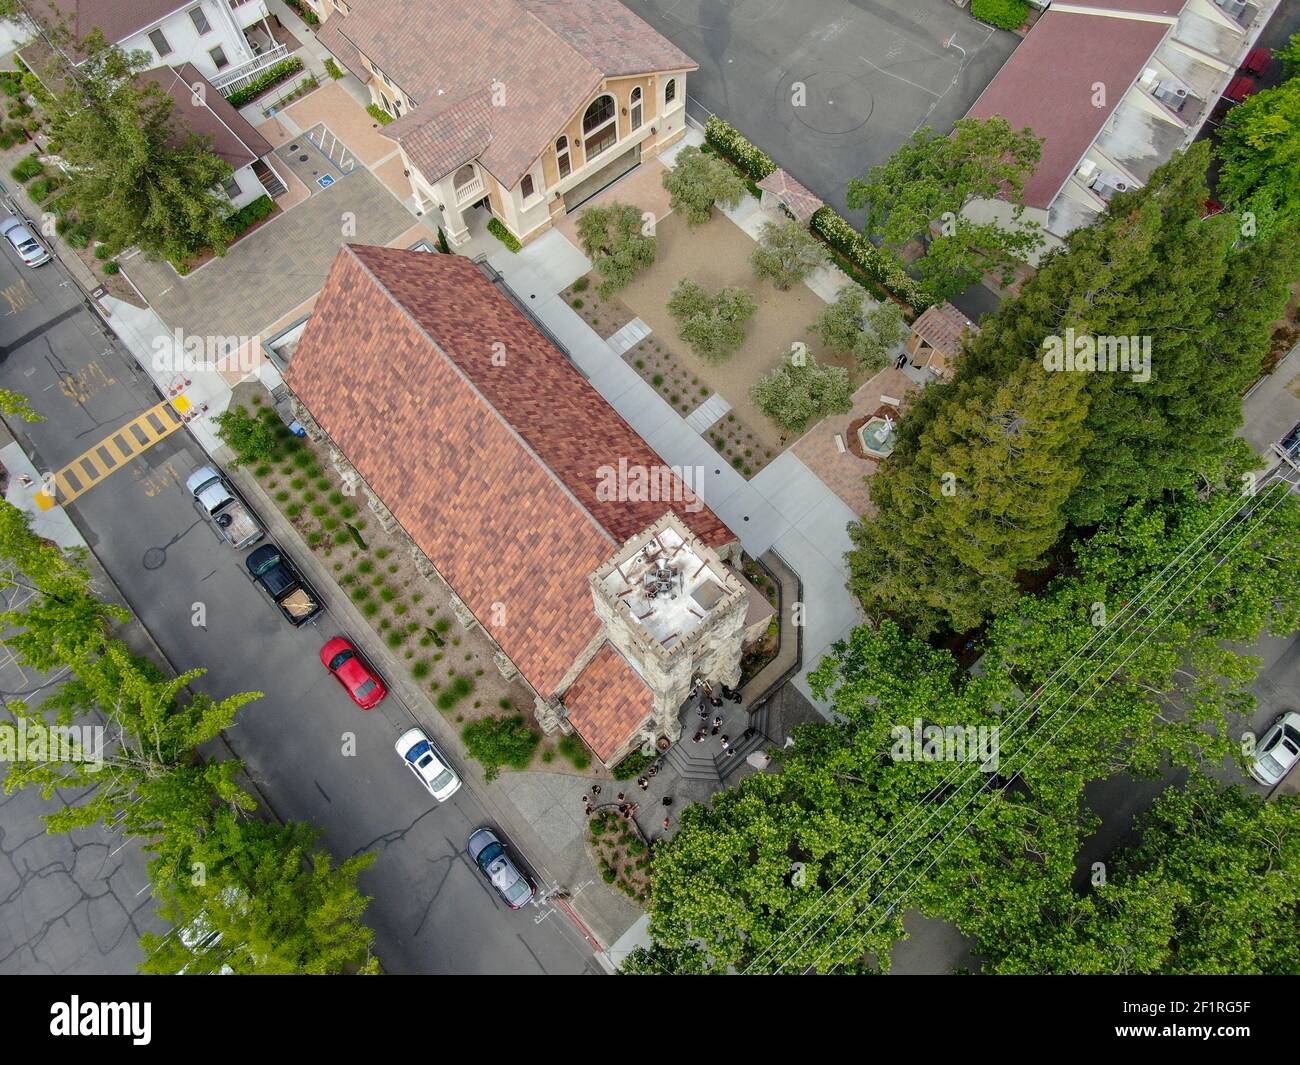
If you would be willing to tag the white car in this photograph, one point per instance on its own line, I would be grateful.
(1278, 750)
(26, 243)
(428, 764)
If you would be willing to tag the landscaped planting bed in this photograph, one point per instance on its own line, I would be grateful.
(622, 856)
(412, 615)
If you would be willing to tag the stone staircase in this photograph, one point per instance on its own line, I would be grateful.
(704, 761)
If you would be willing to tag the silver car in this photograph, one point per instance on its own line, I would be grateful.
(1278, 750)
(490, 856)
(26, 243)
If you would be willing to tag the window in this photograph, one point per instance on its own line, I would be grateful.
(231, 187)
(636, 108)
(219, 57)
(562, 157)
(387, 106)
(159, 43)
(200, 20)
(599, 126)
(526, 189)
(670, 91)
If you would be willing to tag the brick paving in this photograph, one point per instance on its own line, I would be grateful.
(270, 272)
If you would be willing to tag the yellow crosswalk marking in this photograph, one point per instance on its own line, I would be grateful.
(113, 452)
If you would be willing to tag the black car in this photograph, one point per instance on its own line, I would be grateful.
(1289, 445)
(297, 600)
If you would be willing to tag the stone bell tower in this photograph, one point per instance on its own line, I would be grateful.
(675, 610)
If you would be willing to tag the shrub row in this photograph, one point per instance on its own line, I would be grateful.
(876, 268)
(733, 144)
(879, 266)
(379, 113)
(497, 228)
(250, 214)
(271, 76)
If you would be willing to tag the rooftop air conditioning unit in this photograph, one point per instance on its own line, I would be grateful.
(1172, 94)
(1107, 183)
(1235, 8)
(1150, 78)
(1086, 169)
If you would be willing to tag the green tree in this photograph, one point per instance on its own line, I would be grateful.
(885, 330)
(500, 741)
(982, 500)
(697, 181)
(786, 253)
(712, 323)
(931, 175)
(800, 391)
(132, 169)
(19, 406)
(964, 251)
(1289, 54)
(846, 326)
(616, 243)
(261, 899)
(251, 436)
(1259, 146)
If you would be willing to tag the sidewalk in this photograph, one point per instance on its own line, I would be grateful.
(542, 811)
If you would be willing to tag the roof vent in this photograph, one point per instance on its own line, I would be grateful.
(1150, 78)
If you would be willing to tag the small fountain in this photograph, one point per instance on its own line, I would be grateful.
(877, 435)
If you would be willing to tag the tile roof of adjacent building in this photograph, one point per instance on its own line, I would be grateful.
(118, 19)
(233, 138)
(492, 464)
(476, 98)
(941, 326)
(798, 200)
(1050, 81)
(607, 702)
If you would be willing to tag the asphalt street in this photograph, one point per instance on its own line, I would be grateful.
(432, 911)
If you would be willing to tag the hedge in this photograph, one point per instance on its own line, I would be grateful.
(250, 214)
(859, 254)
(378, 112)
(735, 146)
(879, 266)
(498, 230)
(271, 76)
(1005, 14)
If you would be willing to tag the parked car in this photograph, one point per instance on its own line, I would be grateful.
(1278, 750)
(217, 501)
(1289, 445)
(26, 243)
(489, 854)
(297, 600)
(428, 764)
(362, 683)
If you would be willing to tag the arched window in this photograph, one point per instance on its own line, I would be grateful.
(636, 107)
(387, 106)
(526, 188)
(562, 157)
(670, 91)
(599, 126)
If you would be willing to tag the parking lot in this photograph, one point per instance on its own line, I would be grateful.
(871, 72)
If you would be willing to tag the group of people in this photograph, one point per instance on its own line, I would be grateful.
(628, 809)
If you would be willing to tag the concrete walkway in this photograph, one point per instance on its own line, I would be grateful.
(784, 508)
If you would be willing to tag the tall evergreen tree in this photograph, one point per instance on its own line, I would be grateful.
(980, 500)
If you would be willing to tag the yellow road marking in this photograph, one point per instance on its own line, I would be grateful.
(121, 446)
(18, 295)
(88, 382)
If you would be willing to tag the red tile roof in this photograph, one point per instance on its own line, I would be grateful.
(941, 326)
(1049, 82)
(491, 465)
(798, 200)
(607, 702)
(541, 59)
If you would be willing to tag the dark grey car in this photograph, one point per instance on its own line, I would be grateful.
(489, 854)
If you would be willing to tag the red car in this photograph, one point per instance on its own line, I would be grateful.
(353, 672)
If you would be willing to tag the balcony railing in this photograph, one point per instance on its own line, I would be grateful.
(469, 190)
(236, 78)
